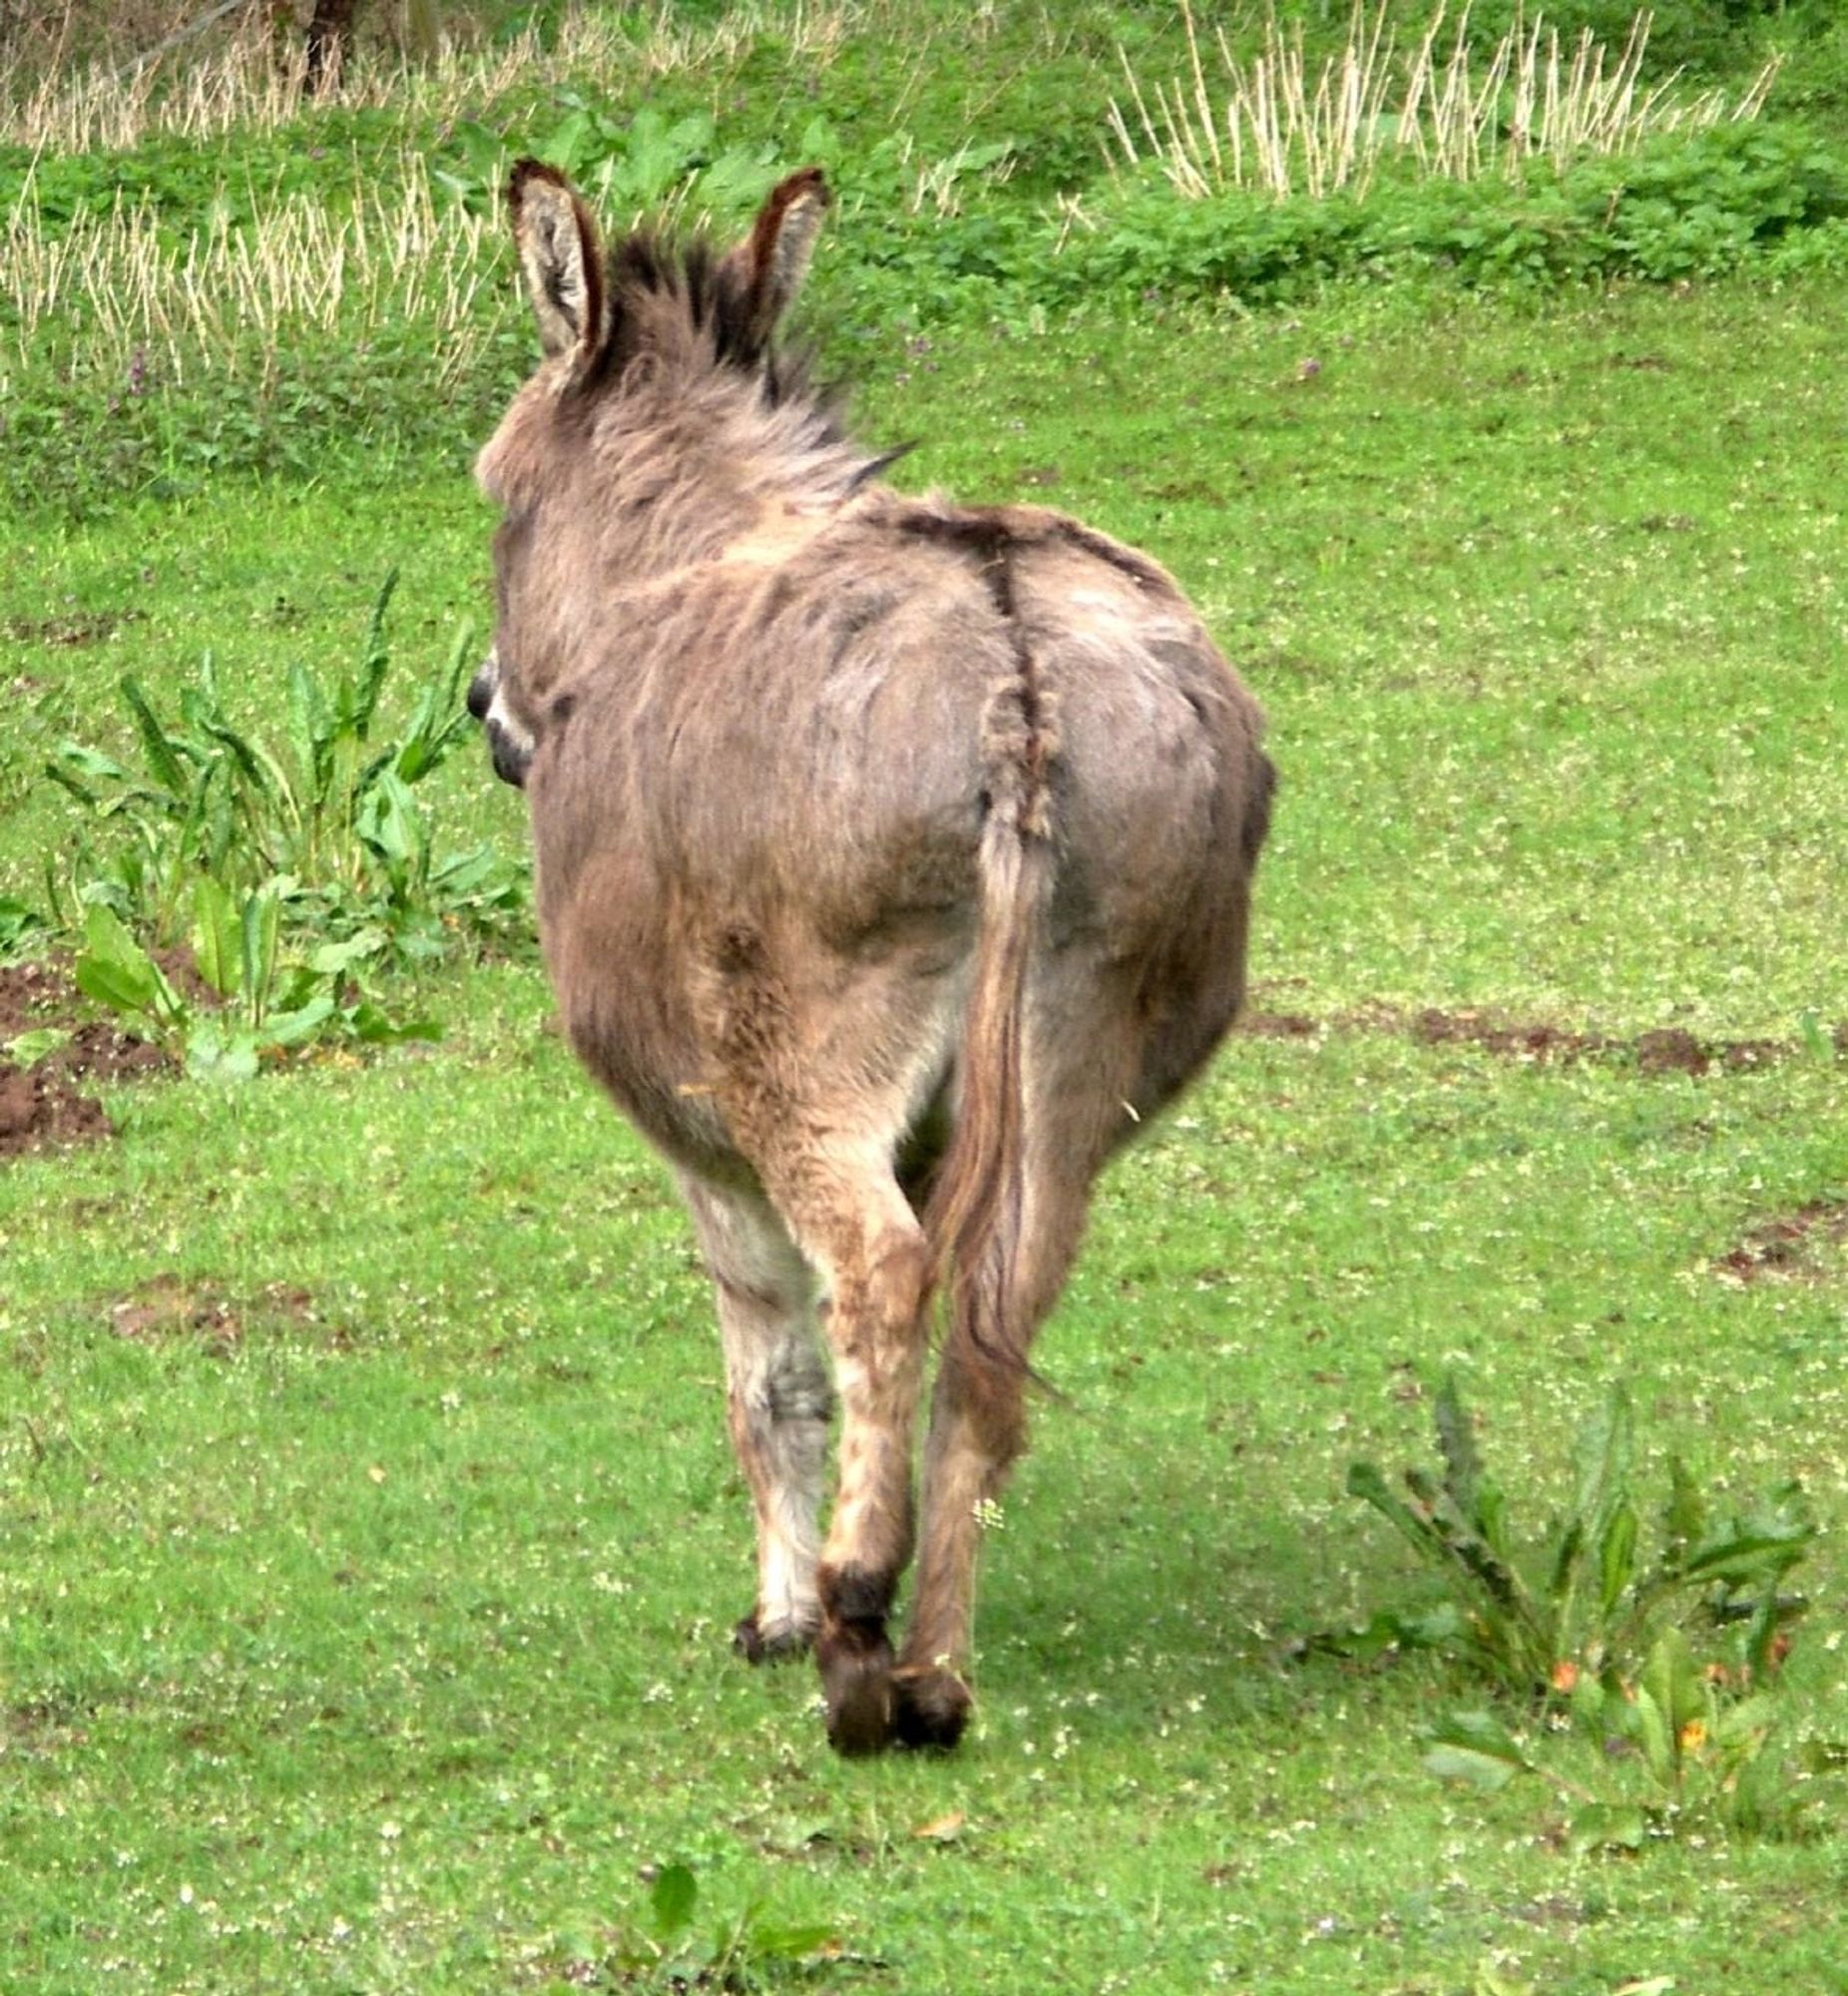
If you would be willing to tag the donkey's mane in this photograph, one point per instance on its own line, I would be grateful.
(655, 280)
(683, 301)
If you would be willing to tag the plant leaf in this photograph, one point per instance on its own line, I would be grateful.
(360, 698)
(671, 1899)
(27, 1049)
(1457, 1444)
(1605, 1448)
(1660, 1750)
(1474, 1747)
(116, 972)
(371, 1025)
(1617, 1557)
(1366, 1481)
(1606, 1826)
(217, 938)
(767, 1942)
(213, 1054)
(1672, 1678)
(262, 917)
(1684, 1520)
(1746, 1552)
(160, 749)
(310, 731)
(296, 1028)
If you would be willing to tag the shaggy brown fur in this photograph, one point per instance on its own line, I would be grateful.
(894, 860)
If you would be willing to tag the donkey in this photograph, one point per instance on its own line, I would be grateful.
(894, 860)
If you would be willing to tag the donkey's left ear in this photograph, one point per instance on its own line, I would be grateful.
(561, 256)
(774, 260)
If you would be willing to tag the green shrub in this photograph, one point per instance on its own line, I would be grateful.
(1699, 206)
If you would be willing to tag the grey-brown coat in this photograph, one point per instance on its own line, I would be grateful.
(894, 860)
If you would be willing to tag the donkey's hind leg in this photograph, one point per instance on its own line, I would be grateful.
(846, 1211)
(1075, 1114)
(778, 1400)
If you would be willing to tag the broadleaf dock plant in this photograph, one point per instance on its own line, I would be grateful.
(263, 1005)
(1585, 1599)
(677, 1945)
(1593, 1639)
(1676, 1746)
(328, 813)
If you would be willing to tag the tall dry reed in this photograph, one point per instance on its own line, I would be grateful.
(116, 281)
(1276, 124)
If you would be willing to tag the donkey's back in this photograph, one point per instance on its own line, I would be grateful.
(894, 862)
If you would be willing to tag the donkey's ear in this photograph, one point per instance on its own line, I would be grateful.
(773, 259)
(561, 256)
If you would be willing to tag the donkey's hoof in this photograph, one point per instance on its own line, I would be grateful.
(858, 1685)
(781, 1640)
(931, 1706)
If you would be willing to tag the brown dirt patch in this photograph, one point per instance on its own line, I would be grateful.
(41, 1106)
(1666, 1050)
(1279, 1026)
(1785, 1245)
(1524, 1040)
(40, 1111)
(169, 1307)
(98, 1052)
(82, 627)
(166, 1306)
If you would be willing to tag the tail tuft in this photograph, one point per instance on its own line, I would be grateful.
(978, 1207)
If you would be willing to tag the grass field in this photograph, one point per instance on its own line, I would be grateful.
(370, 1535)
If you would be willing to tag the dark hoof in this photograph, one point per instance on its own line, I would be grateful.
(858, 1680)
(750, 1641)
(931, 1706)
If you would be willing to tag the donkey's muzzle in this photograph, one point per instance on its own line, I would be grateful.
(509, 754)
(509, 747)
(481, 687)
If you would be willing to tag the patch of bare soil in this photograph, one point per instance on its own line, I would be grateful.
(41, 1105)
(168, 1307)
(40, 1111)
(1279, 1026)
(1534, 1041)
(1666, 1050)
(89, 627)
(1785, 1245)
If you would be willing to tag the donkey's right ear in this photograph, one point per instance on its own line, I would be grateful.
(561, 256)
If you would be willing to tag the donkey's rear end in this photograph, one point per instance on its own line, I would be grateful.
(894, 864)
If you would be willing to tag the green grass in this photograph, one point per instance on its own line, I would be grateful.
(389, 1617)
(370, 1536)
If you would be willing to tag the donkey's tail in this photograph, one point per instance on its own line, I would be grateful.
(976, 1210)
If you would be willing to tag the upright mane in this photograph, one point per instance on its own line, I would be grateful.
(688, 307)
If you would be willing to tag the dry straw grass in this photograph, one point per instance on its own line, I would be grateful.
(237, 74)
(1284, 131)
(115, 284)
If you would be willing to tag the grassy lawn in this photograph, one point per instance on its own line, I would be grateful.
(369, 1539)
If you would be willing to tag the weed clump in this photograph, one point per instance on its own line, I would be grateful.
(1664, 1663)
